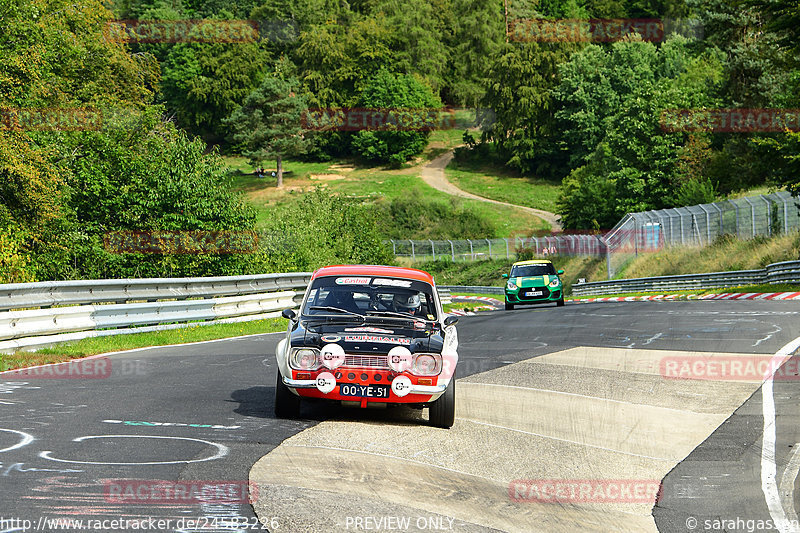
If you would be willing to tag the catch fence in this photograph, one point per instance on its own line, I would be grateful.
(636, 233)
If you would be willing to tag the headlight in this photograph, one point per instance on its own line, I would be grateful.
(511, 286)
(304, 359)
(555, 283)
(427, 364)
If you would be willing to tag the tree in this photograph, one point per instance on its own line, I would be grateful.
(268, 124)
(392, 93)
(518, 90)
(203, 83)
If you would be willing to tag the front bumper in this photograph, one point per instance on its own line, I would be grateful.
(418, 393)
(517, 295)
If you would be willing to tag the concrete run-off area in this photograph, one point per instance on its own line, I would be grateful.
(574, 440)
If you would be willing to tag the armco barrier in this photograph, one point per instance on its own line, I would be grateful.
(28, 318)
(48, 293)
(474, 289)
(785, 272)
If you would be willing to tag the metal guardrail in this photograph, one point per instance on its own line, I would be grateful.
(784, 272)
(40, 314)
(474, 289)
(32, 315)
(444, 295)
(79, 292)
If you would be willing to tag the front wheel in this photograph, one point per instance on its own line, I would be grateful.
(560, 302)
(287, 404)
(443, 410)
(509, 307)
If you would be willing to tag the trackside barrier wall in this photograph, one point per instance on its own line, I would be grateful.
(784, 272)
(28, 318)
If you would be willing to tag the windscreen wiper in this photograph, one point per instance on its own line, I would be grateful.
(335, 310)
(392, 314)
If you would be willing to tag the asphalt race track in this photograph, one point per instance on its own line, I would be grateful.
(545, 395)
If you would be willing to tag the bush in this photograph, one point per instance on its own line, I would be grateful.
(415, 217)
(322, 229)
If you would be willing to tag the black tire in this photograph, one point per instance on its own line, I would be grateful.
(509, 307)
(560, 302)
(443, 411)
(287, 403)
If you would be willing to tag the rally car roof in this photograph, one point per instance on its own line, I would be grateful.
(532, 262)
(373, 270)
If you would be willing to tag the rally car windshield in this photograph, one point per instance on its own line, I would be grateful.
(526, 271)
(371, 297)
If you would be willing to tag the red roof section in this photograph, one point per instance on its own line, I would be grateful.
(373, 270)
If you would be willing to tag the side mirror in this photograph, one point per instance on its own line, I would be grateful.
(560, 272)
(505, 275)
(450, 320)
(289, 314)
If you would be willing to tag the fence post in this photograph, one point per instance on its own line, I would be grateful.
(785, 214)
(394, 247)
(507, 253)
(753, 214)
(452, 251)
(433, 250)
(769, 215)
(490, 248)
(736, 207)
(721, 227)
(471, 251)
(413, 257)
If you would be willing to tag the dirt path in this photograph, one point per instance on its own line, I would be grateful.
(433, 175)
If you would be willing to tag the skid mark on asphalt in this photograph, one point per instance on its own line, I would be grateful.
(583, 413)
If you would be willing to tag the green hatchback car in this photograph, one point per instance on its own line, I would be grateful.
(533, 282)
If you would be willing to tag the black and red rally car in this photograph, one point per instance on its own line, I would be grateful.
(369, 336)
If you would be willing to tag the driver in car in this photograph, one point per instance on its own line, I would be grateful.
(410, 303)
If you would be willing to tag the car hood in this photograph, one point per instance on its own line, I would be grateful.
(369, 338)
(534, 281)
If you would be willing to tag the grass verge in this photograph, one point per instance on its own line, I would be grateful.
(114, 343)
(497, 183)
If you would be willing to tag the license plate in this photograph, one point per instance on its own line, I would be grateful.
(364, 391)
(533, 293)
